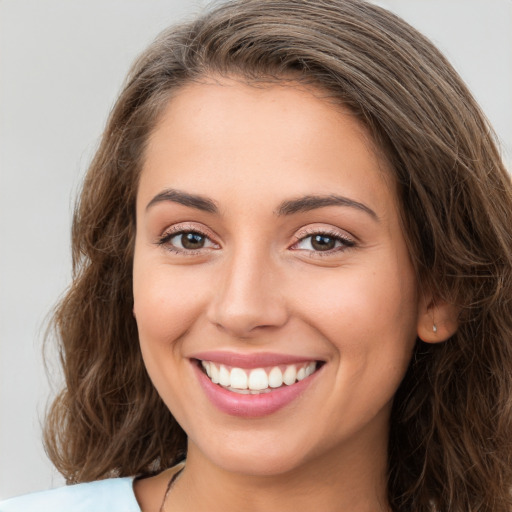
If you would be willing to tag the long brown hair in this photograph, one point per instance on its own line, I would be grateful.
(450, 441)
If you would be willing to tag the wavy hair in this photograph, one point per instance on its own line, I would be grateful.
(451, 423)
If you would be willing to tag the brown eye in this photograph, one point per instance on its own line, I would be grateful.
(192, 241)
(187, 242)
(323, 242)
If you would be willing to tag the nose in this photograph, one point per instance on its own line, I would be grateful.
(249, 299)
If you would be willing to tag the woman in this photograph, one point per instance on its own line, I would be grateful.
(292, 284)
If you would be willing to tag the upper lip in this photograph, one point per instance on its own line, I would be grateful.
(254, 360)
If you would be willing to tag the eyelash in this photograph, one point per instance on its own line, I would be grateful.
(165, 239)
(345, 242)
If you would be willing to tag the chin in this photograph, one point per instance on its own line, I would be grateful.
(255, 459)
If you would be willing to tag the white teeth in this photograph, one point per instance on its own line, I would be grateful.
(238, 378)
(214, 371)
(224, 377)
(257, 380)
(290, 375)
(206, 366)
(275, 377)
(240, 391)
(249, 391)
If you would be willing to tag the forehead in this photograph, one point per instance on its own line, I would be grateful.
(216, 104)
(283, 136)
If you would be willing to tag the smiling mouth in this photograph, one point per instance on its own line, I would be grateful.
(257, 381)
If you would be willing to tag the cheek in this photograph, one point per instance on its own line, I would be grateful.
(363, 301)
(368, 315)
(166, 303)
(166, 307)
(369, 318)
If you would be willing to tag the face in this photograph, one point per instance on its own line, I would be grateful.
(273, 291)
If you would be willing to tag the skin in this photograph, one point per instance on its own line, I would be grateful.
(259, 285)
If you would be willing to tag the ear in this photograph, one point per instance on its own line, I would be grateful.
(437, 321)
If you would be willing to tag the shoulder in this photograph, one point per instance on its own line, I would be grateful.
(114, 495)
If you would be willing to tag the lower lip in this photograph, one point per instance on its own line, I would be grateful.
(251, 406)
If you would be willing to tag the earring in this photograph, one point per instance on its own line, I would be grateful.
(434, 328)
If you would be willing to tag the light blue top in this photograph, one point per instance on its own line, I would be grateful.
(113, 495)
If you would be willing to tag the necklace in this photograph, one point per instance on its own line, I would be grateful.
(168, 489)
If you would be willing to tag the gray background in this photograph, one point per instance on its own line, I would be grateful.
(62, 63)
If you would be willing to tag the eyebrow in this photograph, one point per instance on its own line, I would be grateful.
(290, 207)
(186, 199)
(307, 203)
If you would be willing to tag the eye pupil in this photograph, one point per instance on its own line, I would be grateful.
(192, 240)
(323, 242)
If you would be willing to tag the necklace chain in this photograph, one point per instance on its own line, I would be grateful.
(168, 489)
